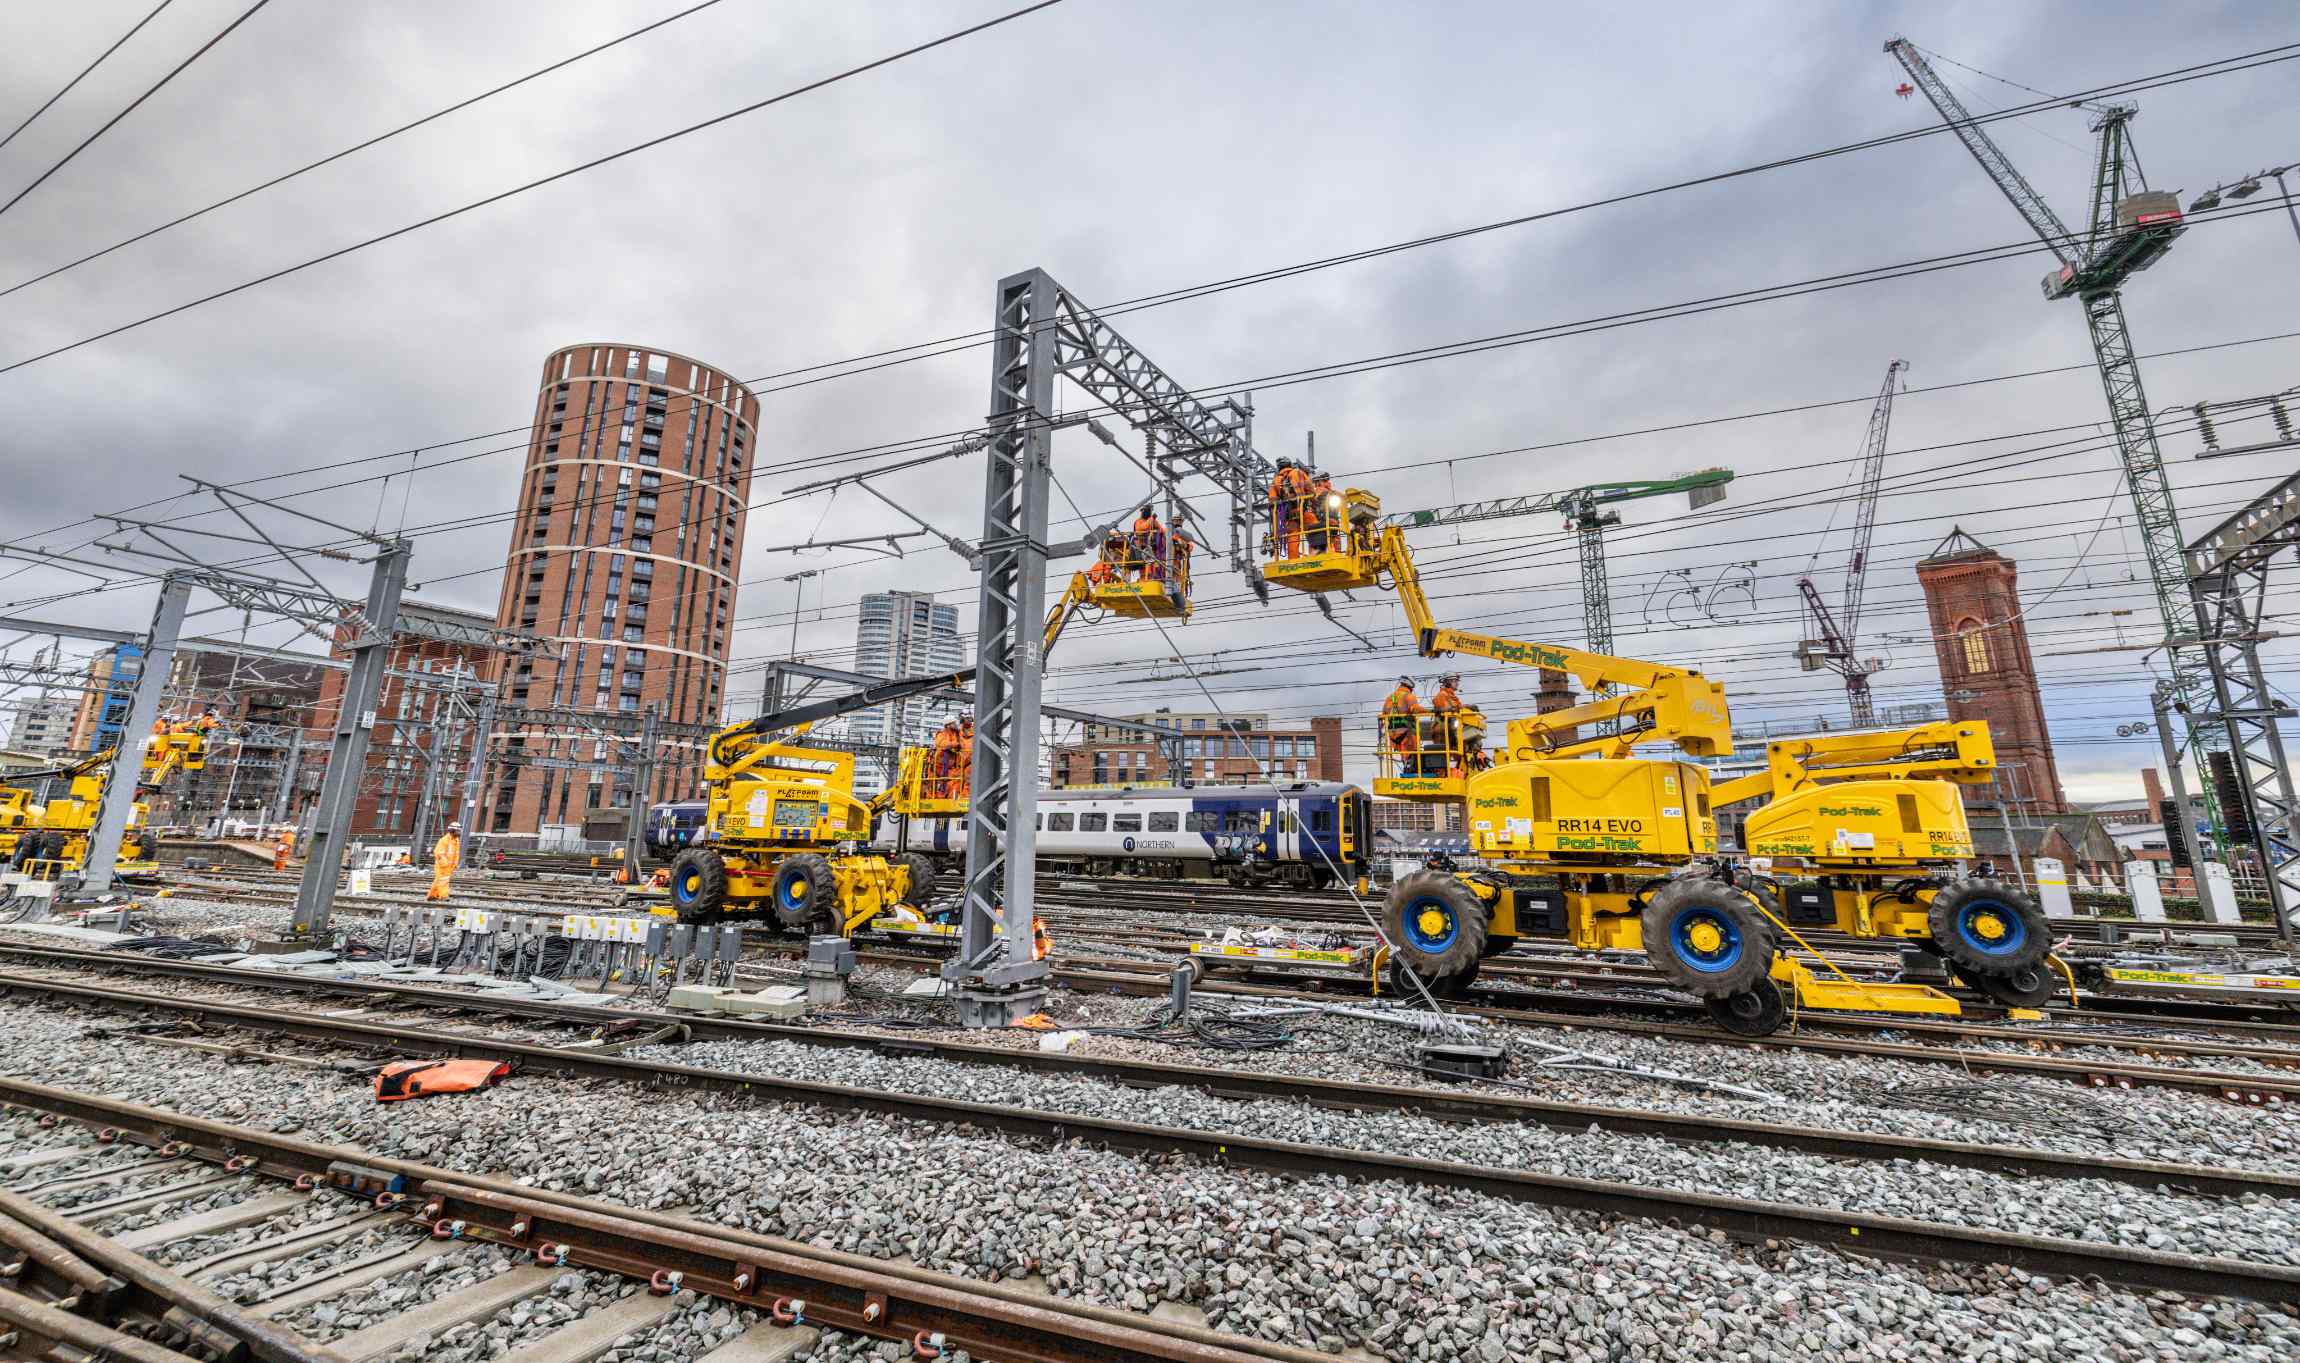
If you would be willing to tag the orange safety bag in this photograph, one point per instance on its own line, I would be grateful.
(403, 1079)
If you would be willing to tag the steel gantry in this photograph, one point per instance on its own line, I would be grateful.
(2228, 581)
(1041, 332)
(2128, 232)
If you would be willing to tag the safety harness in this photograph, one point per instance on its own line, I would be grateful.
(403, 1079)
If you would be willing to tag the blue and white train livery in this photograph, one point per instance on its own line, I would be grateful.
(1305, 835)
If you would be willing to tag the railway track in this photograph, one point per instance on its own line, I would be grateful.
(82, 1293)
(1604, 1005)
(1451, 1102)
(1749, 1219)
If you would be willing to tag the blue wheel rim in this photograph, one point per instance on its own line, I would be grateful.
(1716, 961)
(689, 887)
(2016, 930)
(1431, 943)
(785, 898)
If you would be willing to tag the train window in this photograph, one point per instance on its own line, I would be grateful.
(1322, 820)
(1059, 823)
(1093, 823)
(1125, 823)
(1241, 821)
(1165, 822)
(1203, 821)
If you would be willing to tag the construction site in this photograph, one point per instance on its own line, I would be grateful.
(1459, 767)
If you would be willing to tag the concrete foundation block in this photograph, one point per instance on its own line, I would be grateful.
(761, 1005)
(696, 998)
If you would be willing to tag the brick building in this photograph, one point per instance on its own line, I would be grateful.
(425, 681)
(1216, 750)
(625, 553)
(263, 700)
(1972, 597)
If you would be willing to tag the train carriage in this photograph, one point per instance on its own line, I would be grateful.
(1305, 835)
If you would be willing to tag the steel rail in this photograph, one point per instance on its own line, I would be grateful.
(1447, 1103)
(839, 1291)
(2233, 1086)
(1743, 1218)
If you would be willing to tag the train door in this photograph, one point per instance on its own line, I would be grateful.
(1287, 836)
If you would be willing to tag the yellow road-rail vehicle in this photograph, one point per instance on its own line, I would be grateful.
(784, 836)
(1575, 838)
(51, 838)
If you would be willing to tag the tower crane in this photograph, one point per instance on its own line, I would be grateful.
(1584, 509)
(2130, 229)
(1833, 648)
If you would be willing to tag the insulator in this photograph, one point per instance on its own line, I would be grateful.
(2235, 808)
(2282, 418)
(2175, 846)
(2204, 427)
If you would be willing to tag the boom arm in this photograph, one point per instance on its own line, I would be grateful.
(900, 688)
(1676, 704)
(1948, 750)
(2030, 204)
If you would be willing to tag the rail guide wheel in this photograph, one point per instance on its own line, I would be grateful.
(1757, 1011)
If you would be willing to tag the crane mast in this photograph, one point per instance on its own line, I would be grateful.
(1837, 634)
(2128, 232)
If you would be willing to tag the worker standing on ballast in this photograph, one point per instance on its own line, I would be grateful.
(1289, 491)
(1401, 723)
(446, 855)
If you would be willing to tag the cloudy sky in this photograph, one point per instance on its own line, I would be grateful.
(1131, 148)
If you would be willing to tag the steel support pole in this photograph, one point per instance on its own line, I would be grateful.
(370, 647)
(290, 767)
(475, 771)
(997, 978)
(642, 776)
(127, 768)
(2185, 826)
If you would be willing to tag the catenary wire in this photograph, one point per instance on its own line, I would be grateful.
(117, 44)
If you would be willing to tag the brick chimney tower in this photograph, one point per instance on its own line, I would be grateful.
(1972, 596)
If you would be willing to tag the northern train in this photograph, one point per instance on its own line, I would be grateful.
(1304, 835)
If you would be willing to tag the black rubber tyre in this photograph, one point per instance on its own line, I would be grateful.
(1705, 938)
(1987, 928)
(1757, 1011)
(921, 887)
(699, 885)
(1436, 927)
(2028, 986)
(806, 894)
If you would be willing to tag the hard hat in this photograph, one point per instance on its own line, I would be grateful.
(1405, 681)
(1285, 462)
(455, 827)
(1451, 679)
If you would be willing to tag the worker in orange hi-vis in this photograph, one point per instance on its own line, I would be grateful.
(1446, 705)
(446, 855)
(1289, 492)
(283, 847)
(1401, 722)
(943, 764)
(963, 785)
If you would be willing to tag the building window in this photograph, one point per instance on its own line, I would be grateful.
(1973, 646)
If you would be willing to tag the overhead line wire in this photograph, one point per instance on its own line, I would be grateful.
(342, 251)
(117, 43)
(134, 104)
(354, 148)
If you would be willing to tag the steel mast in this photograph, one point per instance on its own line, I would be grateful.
(1838, 633)
(2128, 232)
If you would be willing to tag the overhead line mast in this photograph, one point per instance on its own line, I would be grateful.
(2131, 228)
